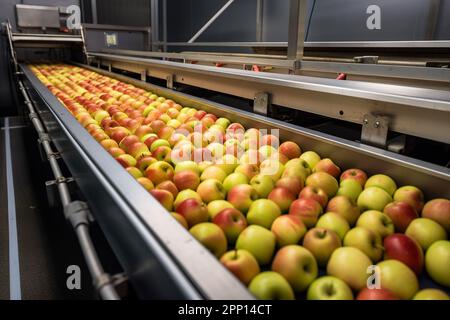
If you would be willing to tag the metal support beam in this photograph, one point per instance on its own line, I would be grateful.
(154, 12)
(94, 11)
(433, 16)
(297, 24)
(259, 19)
(210, 21)
(164, 14)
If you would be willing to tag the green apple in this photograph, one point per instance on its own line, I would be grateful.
(297, 168)
(297, 265)
(227, 163)
(187, 165)
(321, 242)
(263, 212)
(311, 158)
(214, 207)
(288, 229)
(334, 222)
(266, 151)
(184, 195)
(324, 181)
(431, 294)
(350, 265)
(203, 165)
(367, 241)
(259, 241)
(210, 190)
(396, 277)
(262, 184)
(382, 181)
(213, 172)
(437, 262)
(211, 236)
(426, 232)
(233, 180)
(223, 122)
(345, 207)
(329, 288)
(373, 198)
(350, 188)
(270, 285)
(159, 143)
(242, 264)
(376, 221)
(272, 168)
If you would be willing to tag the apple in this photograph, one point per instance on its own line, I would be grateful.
(144, 162)
(159, 143)
(307, 209)
(405, 249)
(242, 264)
(164, 197)
(354, 174)
(293, 184)
(401, 214)
(185, 194)
(216, 206)
(135, 172)
(266, 151)
(181, 220)
(373, 198)
(211, 189)
(263, 212)
(259, 241)
(327, 165)
(162, 153)
(146, 183)
(249, 170)
(437, 262)
(211, 236)
(115, 152)
(126, 160)
(311, 157)
(109, 143)
(376, 294)
(227, 163)
(382, 181)
(350, 188)
(321, 243)
(365, 240)
(297, 265)
(271, 168)
(288, 229)
(187, 179)
(334, 222)
(426, 232)
(187, 165)
(217, 150)
(396, 277)
(439, 211)
(169, 186)
(344, 207)
(193, 210)
(213, 172)
(159, 171)
(270, 285)
(223, 122)
(376, 221)
(411, 195)
(314, 193)
(282, 197)
(262, 184)
(329, 288)
(297, 168)
(232, 222)
(290, 149)
(234, 179)
(203, 165)
(324, 181)
(350, 265)
(431, 294)
(242, 196)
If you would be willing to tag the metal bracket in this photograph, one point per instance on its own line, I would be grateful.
(52, 192)
(120, 282)
(144, 75)
(366, 59)
(55, 155)
(261, 103)
(375, 130)
(109, 67)
(77, 212)
(169, 81)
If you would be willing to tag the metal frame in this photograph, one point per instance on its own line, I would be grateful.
(297, 25)
(345, 100)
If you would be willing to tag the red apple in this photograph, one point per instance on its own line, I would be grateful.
(186, 179)
(290, 149)
(405, 249)
(439, 211)
(193, 210)
(292, 183)
(164, 197)
(159, 171)
(327, 165)
(242, 264)
(232, 222)
(242, 196)
(169, 186)
(401, 214)
(411, 195)
(282, 197)
(376, 294)
(355, 174)
(115, 152)
(307, 209)
(314, 193)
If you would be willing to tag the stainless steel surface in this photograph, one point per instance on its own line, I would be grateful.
(432, 19)
(375, 130)
(210, 21)
(261, 103)
(159, 255)
(344, 100)
(94, 26)
(432, 179)
(259, 19)
(19, 37)
(30, 16)
(296, 32)
(154, 23)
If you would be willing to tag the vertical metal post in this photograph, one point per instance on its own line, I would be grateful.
(94, 11)
(154, 7)
(259, 20)
(164, 13)
(297, 24)
(433, 16)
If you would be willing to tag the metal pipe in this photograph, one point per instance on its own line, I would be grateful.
(297, 24)
(210, 21)
(259, 19)
(105, 288)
